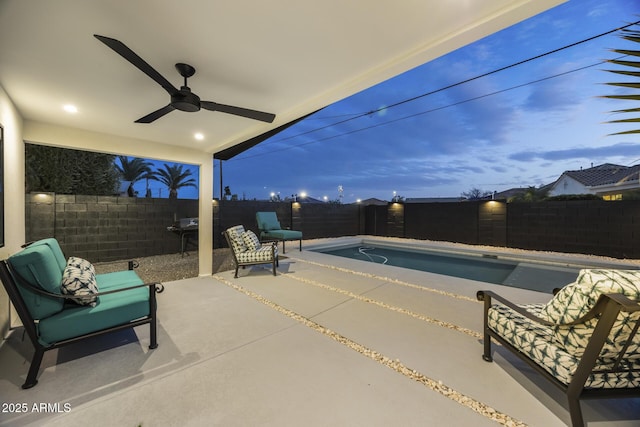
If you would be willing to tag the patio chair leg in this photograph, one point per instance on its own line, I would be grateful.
(235, 276)
(33, 369)
(283, 249)
(486, 356)
(300, 245)
(153, 325)
(274, 267)
(575, 412)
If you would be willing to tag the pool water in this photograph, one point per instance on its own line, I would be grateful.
(484, 268)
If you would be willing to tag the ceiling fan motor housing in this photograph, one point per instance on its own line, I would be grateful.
(185, 100)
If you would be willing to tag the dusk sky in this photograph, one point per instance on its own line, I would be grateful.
(505, 130)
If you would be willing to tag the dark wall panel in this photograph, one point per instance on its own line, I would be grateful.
(453, 222)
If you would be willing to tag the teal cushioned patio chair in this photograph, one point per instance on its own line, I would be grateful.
(32, 279)
(270, 229)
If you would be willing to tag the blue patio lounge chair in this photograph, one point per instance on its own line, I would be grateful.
(270, 229)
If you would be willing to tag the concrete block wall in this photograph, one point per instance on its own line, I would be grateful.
(104, 228)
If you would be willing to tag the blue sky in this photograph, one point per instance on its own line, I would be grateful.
(516, 134)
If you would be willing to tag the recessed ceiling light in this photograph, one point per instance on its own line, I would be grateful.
(70, 108)
(198, 136)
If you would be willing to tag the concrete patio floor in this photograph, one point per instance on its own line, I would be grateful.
(328, 341)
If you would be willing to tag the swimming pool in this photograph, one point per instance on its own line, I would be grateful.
(484, 267)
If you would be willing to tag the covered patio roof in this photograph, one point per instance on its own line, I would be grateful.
(282, 57)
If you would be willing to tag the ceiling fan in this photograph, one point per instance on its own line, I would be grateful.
(181, 99)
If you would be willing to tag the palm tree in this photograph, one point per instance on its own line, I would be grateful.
(634, 36)
(134, 169)
(175, 178)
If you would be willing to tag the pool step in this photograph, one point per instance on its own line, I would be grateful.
(540, 278)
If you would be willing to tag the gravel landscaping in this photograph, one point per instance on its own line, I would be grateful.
(166, 268)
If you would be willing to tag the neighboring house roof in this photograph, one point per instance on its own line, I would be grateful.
(605, 174)
(433, 199)
(373, 201)
(511, 192)
(601, 179)
(307, 199)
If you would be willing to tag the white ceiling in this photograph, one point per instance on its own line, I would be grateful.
(288, 57)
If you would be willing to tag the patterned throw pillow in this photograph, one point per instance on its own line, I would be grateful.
(575, 300)
(235, 237)
(82, 264)
(79, 280)
(251, 241)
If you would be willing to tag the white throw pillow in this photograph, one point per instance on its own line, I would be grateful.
(79, 279)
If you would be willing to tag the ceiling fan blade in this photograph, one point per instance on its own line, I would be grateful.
(238, 111)
(122, 50)
(156, 114)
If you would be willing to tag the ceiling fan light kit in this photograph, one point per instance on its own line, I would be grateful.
(181, 99)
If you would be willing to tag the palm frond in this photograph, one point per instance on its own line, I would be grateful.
(628, 110)
(636, 120)
(631, 97)
(632, 36)
(622, 84)
(628, 132)
(625, 72)
(626, 52)
(634, 64)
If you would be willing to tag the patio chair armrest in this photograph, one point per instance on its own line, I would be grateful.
(158, 287)
(487, 297)
(622, 301)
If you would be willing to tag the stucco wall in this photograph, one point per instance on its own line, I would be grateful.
(13, 170)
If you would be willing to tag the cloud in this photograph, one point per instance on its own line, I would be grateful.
(551, 95)
(623, 149)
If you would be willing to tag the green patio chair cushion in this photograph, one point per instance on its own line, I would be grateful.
(55, 248)
(111, 310)
(282, 234)
(267, 221)
(39, 265)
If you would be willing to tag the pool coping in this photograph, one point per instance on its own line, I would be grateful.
(510, 254)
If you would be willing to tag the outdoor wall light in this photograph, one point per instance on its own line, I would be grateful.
(39, 198)
(69, 108)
